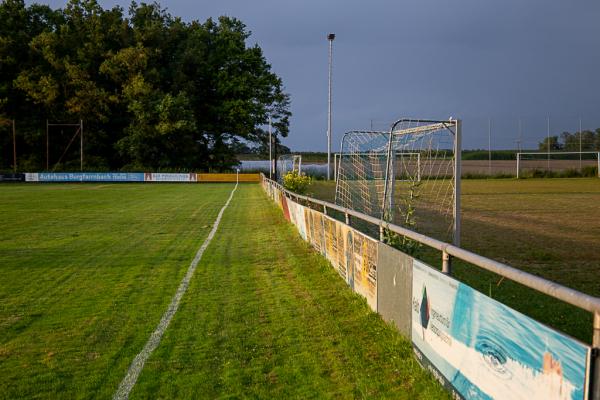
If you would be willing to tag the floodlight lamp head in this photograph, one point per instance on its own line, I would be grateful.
(330, 36)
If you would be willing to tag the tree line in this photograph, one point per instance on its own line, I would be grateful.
(153, 91)
(585, 140)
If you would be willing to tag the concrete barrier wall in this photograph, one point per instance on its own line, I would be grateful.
(394, 288)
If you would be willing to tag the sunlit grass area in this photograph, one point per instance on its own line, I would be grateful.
(87, 270)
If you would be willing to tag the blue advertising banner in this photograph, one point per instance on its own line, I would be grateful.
(89, 177)
(481, 349)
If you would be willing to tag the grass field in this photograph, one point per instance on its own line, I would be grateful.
(86, 272)
(550, 227)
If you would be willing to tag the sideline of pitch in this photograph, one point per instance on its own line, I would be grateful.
(137, 365)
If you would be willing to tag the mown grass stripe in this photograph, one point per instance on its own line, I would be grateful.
(137, 365)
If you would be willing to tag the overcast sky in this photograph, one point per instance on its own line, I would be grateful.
(471, 59)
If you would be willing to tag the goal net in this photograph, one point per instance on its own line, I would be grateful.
(410, 164)
(407, 175)
(559, 163)
(288, 163)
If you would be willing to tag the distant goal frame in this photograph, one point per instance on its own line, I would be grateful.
(551, 153)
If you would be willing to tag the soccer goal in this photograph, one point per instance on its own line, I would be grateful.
(409, 175)
(559, 163)
(288, 163)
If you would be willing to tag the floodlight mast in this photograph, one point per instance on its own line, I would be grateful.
(330, 38)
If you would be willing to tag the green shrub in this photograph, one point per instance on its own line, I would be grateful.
(589, 171)
(297, 183)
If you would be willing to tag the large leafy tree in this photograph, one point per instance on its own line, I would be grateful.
(154, 91)
(586, 141)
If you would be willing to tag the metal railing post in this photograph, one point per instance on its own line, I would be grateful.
(381, 233)
(347, 218)
(446, 263)
(595, 364)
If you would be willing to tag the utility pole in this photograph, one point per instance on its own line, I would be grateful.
(519, 140)
(330, 38)
(81, 145)
(580, 144)
(14, 132)
(270, 153)
(490, 147)
(548, 129)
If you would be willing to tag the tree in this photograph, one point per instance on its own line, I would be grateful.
(550, 144)
(570, 141)
(153, 91)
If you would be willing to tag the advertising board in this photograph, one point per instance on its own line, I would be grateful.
(85, 177)
(480, 348)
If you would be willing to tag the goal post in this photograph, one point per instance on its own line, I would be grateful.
(409, 175)
(558, 162)
(288, 163)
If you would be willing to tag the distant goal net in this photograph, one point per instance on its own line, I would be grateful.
(409, 175)
(559, 163)
(288, 163)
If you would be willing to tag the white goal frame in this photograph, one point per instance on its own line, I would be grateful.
(550, 153)
(282, 163)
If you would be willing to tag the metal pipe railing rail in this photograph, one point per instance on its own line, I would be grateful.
(568, 295)
(545, 286)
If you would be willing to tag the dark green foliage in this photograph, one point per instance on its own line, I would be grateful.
(577, 141)
(477, 175)
(153, 91)
(585, 172)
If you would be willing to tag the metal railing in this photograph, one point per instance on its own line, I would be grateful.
(545, 286)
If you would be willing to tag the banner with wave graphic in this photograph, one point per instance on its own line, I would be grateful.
(482, 349)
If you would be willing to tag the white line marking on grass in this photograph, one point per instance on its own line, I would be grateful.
(138, 363)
